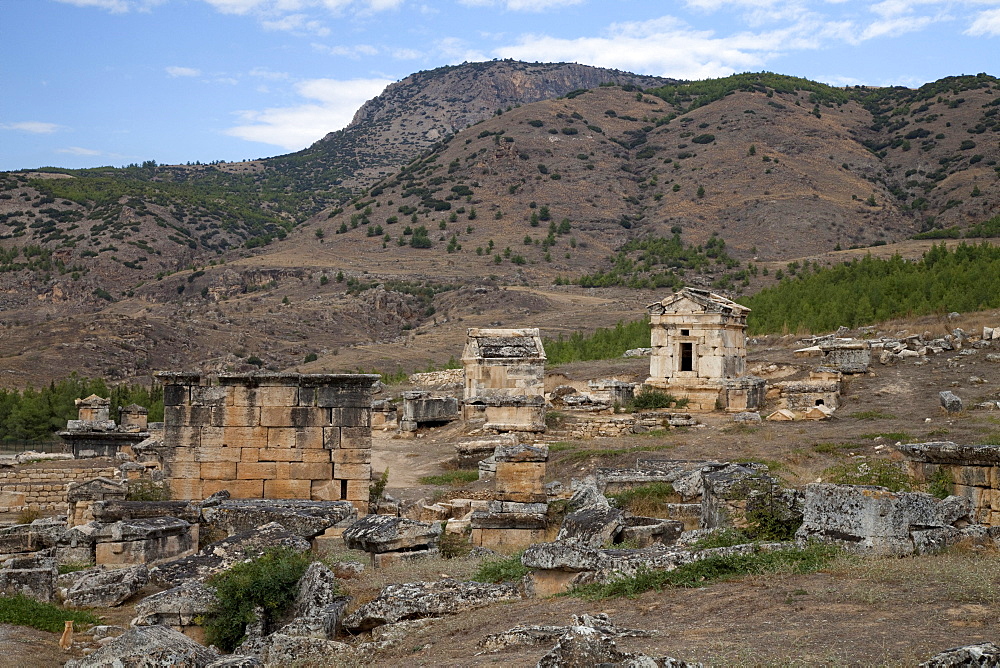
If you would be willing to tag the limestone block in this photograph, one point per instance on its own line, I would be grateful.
(520, 481)
(280, 437)
(317, 471)
(255, 437)
(256, 471)
(355, 437)
(313, 456)
(187, 416)
(276, 416)
(351, 456)
(309, 438)
(238, 489)
(212, 437)
(357, 490)
(280, 455)
(186, 488)
(353, 471)
(975, 476)
(325, 490)
(331, 438)
(507, 541)
(183, 469)
(241, 416)
(241, 395)
(179, 436)
(218, 454)
(343, 397)
(307, 396)
(287, 489)
(280, 395)
(218, 470)
(352, 416)
(249, 455)
(183, 454)
(176, 395)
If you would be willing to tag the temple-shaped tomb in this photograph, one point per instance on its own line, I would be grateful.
(505, 379)
(698, 341)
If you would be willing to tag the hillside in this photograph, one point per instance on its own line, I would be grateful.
(703, 182)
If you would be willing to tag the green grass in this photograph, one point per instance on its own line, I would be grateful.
(872, 415)
(645, 499)
(563, 446)
(505, 569)
(833, 448)
(583, 455)
(73, 567)
(713, 569)
(874, 472)
(23, 611)
(460, 477)
(722, 538)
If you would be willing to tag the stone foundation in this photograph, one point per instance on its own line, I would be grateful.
(971, 471)
(42, 486)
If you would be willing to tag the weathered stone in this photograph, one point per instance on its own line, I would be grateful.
(16, 538)
(176, 607)
(225, 553)
(564, 557)
(521, 636)
(302, 518)
(281, 649)
(950, 402)
(593, 526)
(107, 588)
(149, 647)
(875, 519)
(644, 531)
(470, 453)
(115, 510)
(583, 647)
(384, 533)
(236, 661)
(318, 606)
(147, 541)
(521, 453)
(586, 495)
(33, 576)
(982, 654)
(731, 492)
(415, 600)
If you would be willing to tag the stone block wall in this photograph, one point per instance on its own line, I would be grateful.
(278, 436)
(971, 472)
(43, 488)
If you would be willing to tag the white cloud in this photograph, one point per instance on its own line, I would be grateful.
(406, 54)
(331, 107)
(987, 24)
(893, 27)
(296, 23)
(664, 46)
(522, 5)
(34, 127)
(174, 71)
(264, 73)
(353, 52)
(77, 150)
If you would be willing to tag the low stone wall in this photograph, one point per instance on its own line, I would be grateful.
(42, 486)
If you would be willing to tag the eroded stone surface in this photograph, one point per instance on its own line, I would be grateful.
(384, 533)
(179, 606)
(415, 600)
(982, 654)
(302, 518)
(107, 588)
(149, 647)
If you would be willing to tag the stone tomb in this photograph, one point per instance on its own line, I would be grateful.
(516, 517)
(699, 352)
(268, 435)
(968, 471)
(505, 379)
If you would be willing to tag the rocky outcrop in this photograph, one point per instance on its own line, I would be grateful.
(107, 588)
(149, 647)
(982, 654)
(225, 553)
(415, 600)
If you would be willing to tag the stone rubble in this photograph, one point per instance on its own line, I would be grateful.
(107, 588)
(149, 647)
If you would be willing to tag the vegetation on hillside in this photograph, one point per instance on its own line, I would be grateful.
(693, 94)
(870, 290)
(36, 414)
(604, 343)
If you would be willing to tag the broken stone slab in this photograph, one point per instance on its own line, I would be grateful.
(730, 493)
(586, 494)
(470, 453)
(521, 453)
(584, 646)
(318, 606)
(967, 656)
(17, 538)
(225, 553)
(32, 575)
(179, 606)
(147, 541)
(302, 518)
(512, 520)
(149, 647)
(107, 588)
(644, 531)
(115, 510)
(593, 526)
(947, 452)
(521, 636)
(384, 533)
(391, 635)
(950, 402)
(869, 518)
(281, 649)
(324, 624)
(414, 600)
(747, 417)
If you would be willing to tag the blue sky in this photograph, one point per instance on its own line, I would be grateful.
(110, 82)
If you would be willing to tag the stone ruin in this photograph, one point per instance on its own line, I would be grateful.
(516, 516)
(425, 408)
(95, 434)
(268, 435)
(699, 352)
(967, 471)
(505, 379)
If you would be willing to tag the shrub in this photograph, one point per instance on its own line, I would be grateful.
(502, 569)
(311, 357)
(940, 484)
(23, 611)
(875, 472)
(145, 489)
(269, 582)
(376, 490)
(703, 139)
(651, 398)
(453, 544)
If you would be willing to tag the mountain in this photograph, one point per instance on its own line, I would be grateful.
(519, 175)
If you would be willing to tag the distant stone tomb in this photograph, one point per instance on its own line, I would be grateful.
(699, 351)
(505, 379)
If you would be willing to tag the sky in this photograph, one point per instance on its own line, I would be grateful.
(86, 83)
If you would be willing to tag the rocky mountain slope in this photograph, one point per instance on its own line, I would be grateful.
(278, 260)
